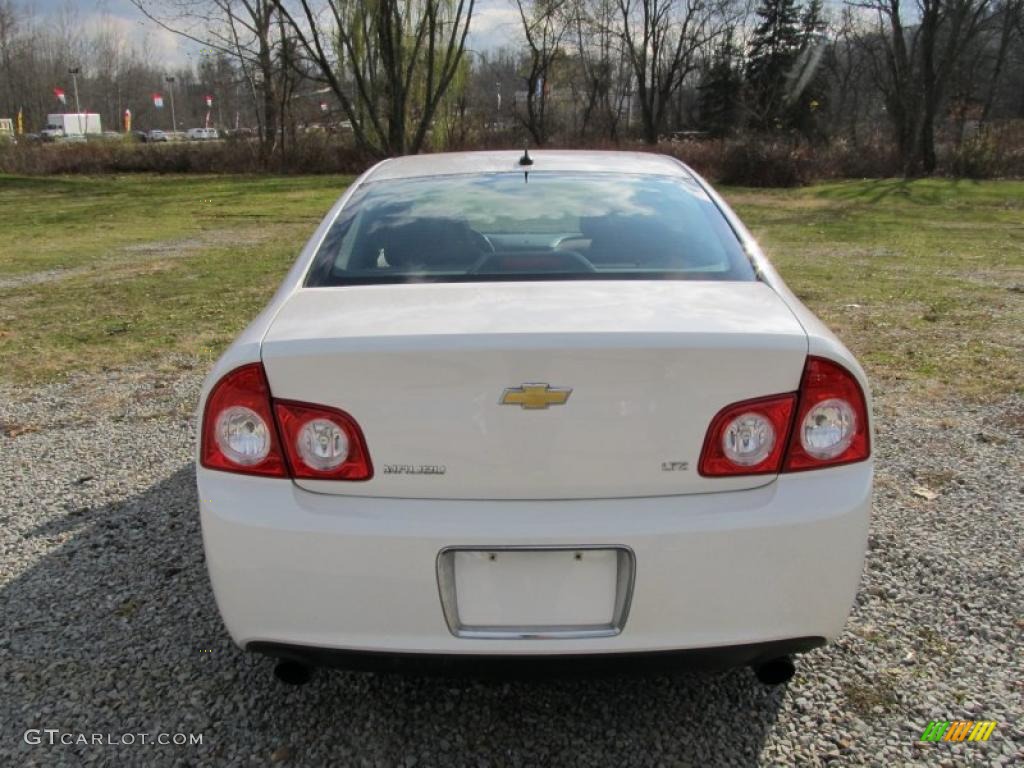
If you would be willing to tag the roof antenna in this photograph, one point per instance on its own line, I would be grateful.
(526, 161)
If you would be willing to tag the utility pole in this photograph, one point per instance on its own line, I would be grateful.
(174, 121)
(73, 71)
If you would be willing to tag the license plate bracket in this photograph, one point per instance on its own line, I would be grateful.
(531, 592)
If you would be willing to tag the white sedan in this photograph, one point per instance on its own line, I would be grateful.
(548, 410)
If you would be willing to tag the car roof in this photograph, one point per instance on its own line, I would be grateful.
(450, 163)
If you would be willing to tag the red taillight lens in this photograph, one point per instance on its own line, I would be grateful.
(239, 434)
(748, 438)
(831, 425)
(822, 425)
(244, 430)
(322, 443)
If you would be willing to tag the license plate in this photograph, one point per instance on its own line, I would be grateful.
(552, 592)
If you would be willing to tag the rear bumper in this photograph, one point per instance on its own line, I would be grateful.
(473, 665)
(291, 568)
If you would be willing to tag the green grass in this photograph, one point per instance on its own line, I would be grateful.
(62, 222)
(145, 265)
(923, 280)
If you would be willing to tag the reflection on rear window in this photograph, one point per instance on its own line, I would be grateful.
(548, 226)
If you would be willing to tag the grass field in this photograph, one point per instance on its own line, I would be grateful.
(100, 272)
(923, 280)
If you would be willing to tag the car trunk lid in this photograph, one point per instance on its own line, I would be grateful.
(425, 369)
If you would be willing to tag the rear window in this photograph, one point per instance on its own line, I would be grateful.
(544, 226)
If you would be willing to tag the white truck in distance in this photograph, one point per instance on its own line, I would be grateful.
(61, 126)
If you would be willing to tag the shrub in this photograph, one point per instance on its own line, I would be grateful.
(766, 163)
(759, 161)
(996, 151)
(975, 158)
(312, 155)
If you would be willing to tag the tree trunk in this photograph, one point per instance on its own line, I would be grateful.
(648, 117)
(268, 133)
(534, 122)
(926, 158)
(1010, 11)
(924, 155)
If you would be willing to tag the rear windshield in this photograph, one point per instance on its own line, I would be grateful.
(544, 226)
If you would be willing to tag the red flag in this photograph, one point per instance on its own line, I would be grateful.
(158, 100)
(59, 94)
(209, 100)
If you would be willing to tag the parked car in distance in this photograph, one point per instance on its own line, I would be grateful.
(544, 410)
(202, 134)
(156, 135)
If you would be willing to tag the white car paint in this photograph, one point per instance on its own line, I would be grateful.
(719, 561)
(437, 356)
(713, 569)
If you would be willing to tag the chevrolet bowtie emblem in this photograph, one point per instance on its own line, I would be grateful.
(535, 396)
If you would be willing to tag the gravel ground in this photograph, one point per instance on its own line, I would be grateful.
(110, 625)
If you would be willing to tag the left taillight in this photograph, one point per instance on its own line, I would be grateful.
(246, 431)
(239, 434)
(322, 443)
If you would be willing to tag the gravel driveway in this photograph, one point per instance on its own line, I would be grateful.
(110, 626)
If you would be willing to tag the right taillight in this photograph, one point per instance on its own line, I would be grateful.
(831, 424)
(822, 425)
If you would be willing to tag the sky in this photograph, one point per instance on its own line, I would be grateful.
(495, 23)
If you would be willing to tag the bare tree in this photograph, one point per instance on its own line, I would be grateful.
(604, 67)
(912, 66)
(243, 30)
(663, 39)
(388, 62)
(843, 61)
(1011, 25)
(9, 30)
(545, 24)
